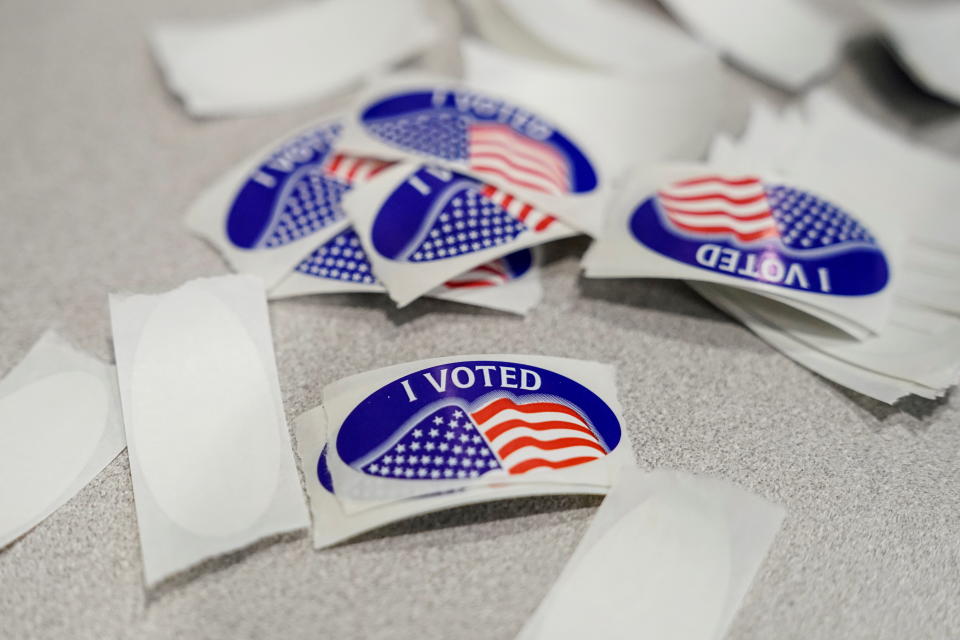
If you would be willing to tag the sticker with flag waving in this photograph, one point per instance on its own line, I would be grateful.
(744, 230)
(422, 225)
(333, 525)
(340, 265)
(268, 213)
(492, 139)
(429, 426)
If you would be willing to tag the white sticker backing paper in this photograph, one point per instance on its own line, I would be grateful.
(430, 426)
(210, 453)
(668, 555)
(60, 426)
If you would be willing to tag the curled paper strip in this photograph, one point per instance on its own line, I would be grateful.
(435, 425)
(60, 425)
(209, 449)
(668, 555)
(282, 57)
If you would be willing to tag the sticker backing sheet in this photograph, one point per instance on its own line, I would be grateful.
(210, 454)
(667, 555)
(60, 425)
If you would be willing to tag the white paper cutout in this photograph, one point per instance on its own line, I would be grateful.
(59, 427)
(286, 55)
(607, 34)
(786, 42)
(407, 280)
(575, 208)
(927, 37)
(331, 524)
(209, 447)
(357, 490)
(668, 555)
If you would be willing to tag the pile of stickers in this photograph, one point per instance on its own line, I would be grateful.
(816, 211)
(425, 188)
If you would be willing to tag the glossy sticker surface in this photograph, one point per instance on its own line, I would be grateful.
(488, 135)
(476, 418)
(775, 234)
(438, 214)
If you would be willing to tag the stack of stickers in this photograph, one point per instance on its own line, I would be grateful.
(428, 435)
(425, 188)
(831, 239)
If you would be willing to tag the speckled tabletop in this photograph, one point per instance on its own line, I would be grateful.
(97, 165)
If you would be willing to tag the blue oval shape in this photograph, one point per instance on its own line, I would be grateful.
(289, 195)
(437, 214)
(472, 418)
(774, 234)
(490, 135)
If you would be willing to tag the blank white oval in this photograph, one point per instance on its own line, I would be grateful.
(48, 431)
(204, 423)
(662, 571)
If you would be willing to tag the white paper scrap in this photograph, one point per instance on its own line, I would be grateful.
(927, 37)
(786, 42)
(436, 425)
(210, 453)
(287, 55)
(60, 425)
(608, 34)
(668, 555)
(332, 524)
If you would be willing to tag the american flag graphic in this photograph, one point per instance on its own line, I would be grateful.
(500, 435)
(354, 169)
(749, 210)
(488, 148)
(486, 275)
(476, 218)
(497, 149)
(721, 205)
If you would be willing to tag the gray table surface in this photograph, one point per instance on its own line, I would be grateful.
(97, 164)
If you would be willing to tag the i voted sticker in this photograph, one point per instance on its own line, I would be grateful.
(487, 135)
(437, 214)
(769, 233)
(472, 419)
(296, 191)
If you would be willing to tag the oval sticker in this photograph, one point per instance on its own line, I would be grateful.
(476, 418)
(291, 195)
(437, 214)
(488, 135)
(771, 233)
